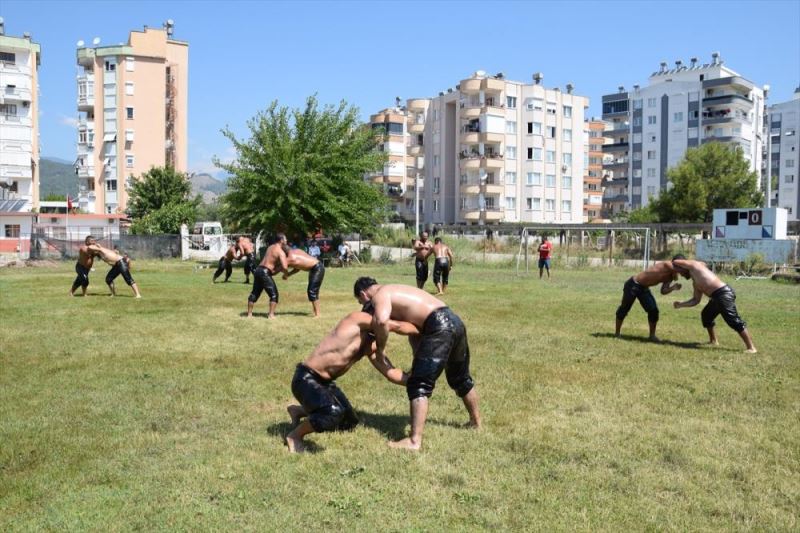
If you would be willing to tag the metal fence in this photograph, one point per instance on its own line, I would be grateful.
(66, 245)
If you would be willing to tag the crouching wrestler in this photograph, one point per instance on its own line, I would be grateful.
(322, 403)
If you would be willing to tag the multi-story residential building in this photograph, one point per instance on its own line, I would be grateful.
(495, 150)
(652, 127)
(132, 114)
(784, 157)
(403, 134)
(593, 177)
(19, 124)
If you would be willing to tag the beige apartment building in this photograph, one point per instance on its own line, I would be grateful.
(132, 114)
(593, 178)
(490, 150)
(19, 123)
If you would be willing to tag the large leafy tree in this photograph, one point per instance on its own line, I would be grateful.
(712, 176)
(303, 170)
(160, 201)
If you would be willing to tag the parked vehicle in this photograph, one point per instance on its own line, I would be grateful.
(204, 233)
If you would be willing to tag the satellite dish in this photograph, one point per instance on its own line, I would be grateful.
(96, 41)
(80, 43)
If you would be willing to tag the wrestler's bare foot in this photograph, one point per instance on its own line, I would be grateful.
(751, 350)
(713, 343)
(295, 413)
(404, 444)
(474, 424)
(270, 316)
(295, 445)
(654, 339)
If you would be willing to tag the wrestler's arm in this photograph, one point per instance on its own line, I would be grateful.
(284, 261)
(381, 318)
(385, 367)
(697, 296)
(403, 328)
(450, 257)
(288, 274)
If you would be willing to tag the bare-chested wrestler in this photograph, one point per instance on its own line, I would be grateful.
(247, 250)
(442, 345)
(83, 266)
(638, 287)
(274, 262)
(443, 263)
(299, 260)
(722, 300)
(118, 267)
(325, 405)
(422, 250)
(226, 263)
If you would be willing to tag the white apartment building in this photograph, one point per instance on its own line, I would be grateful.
(493, 151)
(19, 123)
(652, 127)
(784, 148)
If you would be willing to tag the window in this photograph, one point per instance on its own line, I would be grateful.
(566, 206)
(533, 178)
(637, 104)
(567, 111)
(566, 159)
(464, 202)
(637, 156)
(436, 160)
(537, 128)
(130, 64)
(12, 231)
(566, 182)
(511, 126)
(789, 178)
(111, 66)
(677, 117)
(436, 205)
(8, 58)
(551, 156)
(489, 203)
(692, 133)
(511, 152)
(550, 205)
(528, 203)
(129, 88)
(651, 154)
(128, 135)
(637, 121)
(511, 178)
(8, 110)
(651, 173)
(129, 113)
(550, 181)
(551, 132)
(537, 204)
(110, 100)
(537, 154)
(790, 163)
(651, 119)
(534, 104)
(436, 184)
(511, 202)
(566, 135)
(129, 160)
(511, 102)
(530, 154)
(111, 185)
(651, 191)
(776, 117)
(651, 102)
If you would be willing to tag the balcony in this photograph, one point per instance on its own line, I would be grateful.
(616, 147)
(493, 84)
(470, 86)
(493, 106)
(470, 135)
(85, 171)
(470, 110)
(492, 161)
(16, 93)
(416, 127)
(15, 120)
(492, 138)
(416, 150)
(728, 99)
(495, 189)
(470, 161)
(491, 214)
(417, 104)
(616, 164)
(470, 189)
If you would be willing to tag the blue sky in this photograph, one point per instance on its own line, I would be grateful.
(244, 54)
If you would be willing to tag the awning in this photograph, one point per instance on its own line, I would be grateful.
(109, 137)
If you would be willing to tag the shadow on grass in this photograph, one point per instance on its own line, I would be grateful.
(689, 345)
(392, 426)
(277, 315)
(281, 429)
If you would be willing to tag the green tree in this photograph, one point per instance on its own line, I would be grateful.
(713, 176)
(160, 201)
(302, 170)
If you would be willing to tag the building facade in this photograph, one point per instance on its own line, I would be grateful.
(19, 123)
(490, 151)
(650, 128)
(594, 134)
(132, 114)
(784, 153)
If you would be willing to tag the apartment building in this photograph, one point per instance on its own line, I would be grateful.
(650, 128)
(132, 114)
(20, 58)
(492, 150)
(594, 131)
(784, 153)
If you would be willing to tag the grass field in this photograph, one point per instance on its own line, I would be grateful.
(168, 412)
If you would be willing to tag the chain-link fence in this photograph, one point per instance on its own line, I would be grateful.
(65, 245)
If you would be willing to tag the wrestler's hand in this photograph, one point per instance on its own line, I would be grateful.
(677, 287)
(285, 275)
(676, 305)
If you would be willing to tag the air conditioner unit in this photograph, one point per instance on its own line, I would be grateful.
(26, 103)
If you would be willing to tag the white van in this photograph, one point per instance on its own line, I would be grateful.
(204, 233)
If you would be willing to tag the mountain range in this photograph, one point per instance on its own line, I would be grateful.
(57, 176)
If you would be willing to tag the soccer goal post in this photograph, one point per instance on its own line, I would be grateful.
(574, 241)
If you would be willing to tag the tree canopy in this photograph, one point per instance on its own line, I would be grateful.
(712, 176)
(303, 170)
(159, 201)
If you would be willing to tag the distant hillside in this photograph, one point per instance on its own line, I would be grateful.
(207, 186)
(57, 176)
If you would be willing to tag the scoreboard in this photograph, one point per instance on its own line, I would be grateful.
(738, 233)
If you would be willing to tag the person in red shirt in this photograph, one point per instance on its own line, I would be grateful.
(544, 257)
